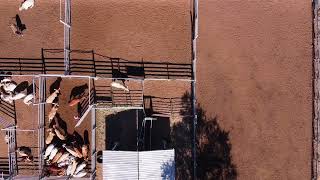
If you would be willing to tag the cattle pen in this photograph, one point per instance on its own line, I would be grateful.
(27, 125)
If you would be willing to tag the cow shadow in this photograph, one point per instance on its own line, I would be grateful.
(86, 137)
(21, 87)
(20, 25)
(77, 138)
(78, 91)
(61, 122)
(55, 84)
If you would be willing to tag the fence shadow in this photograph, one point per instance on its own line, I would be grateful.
(213, 148)
(119, 67)
(106, 96)
(9, 110)
(94, 64)
(83, 106)
(4, 166)
(164, 106)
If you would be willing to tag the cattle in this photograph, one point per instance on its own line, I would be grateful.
(26, 153)
(63, 157)
(26, 4)
(74, 167)
(50, 136)
(48, 150)
(57, 156)
(19, 95)
(53, 153)
(119, 86)
(85, 151)
(53, 112)
(61, 134)
(75, 101)
(80, 167)
(80, 174)
(72, 151)
(28, 99)
(53, 96)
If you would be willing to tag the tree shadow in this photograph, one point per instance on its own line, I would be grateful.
(213, 148)
(168, 172)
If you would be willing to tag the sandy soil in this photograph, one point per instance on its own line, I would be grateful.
(152, 30)
(43, 29)
(255, 76)
(254, 65)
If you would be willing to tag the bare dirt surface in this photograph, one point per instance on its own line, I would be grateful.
(254, 65)
(255, 76)
(43, 29)
(152, 30)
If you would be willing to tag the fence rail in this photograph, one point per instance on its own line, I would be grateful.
(89, 63)
(166, 106)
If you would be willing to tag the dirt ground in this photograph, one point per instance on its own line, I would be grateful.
(255, 76)
(254, 65)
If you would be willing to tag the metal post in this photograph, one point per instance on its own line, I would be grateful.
(94, 64)
(20, 69)
(93, 144)
(67, 25)
(193, 84)
(43, 62)
(41, 119)
(12, 144)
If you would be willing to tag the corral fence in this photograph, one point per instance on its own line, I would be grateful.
(22, 66)
(8, 166)
(162, 106)
(89, 63)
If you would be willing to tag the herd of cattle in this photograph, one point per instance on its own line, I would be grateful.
(10, 91)
(65, 154)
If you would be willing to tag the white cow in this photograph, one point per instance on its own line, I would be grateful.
(119, 86)
(19, 95)
(53, 96)
(48, 151)
(28, 99)
(53, 112)
(9, 86)
(26, 4)
(80, 167)
(80, 174)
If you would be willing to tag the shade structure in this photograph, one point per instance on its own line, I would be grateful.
(149, 165)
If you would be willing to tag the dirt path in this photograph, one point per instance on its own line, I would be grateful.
(254, 75)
